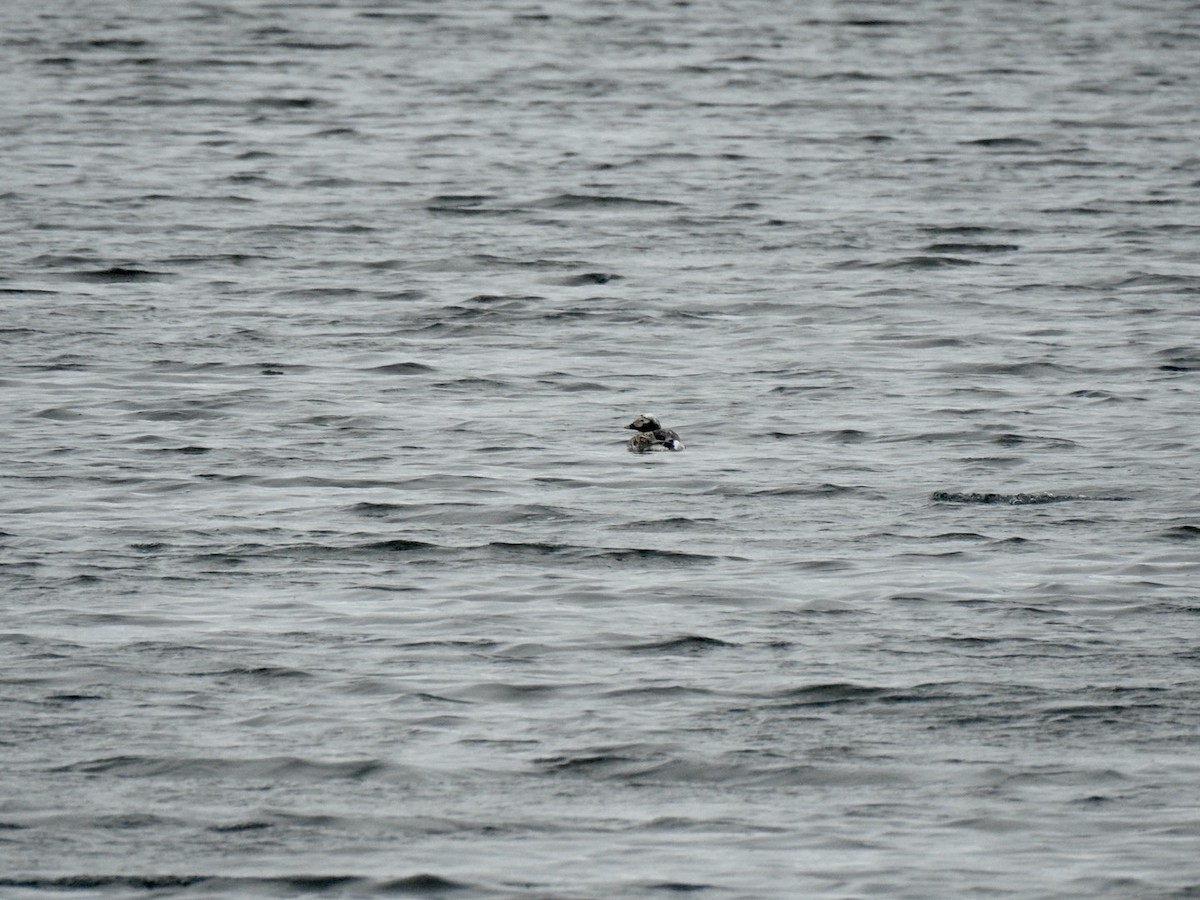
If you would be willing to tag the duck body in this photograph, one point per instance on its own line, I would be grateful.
(652, 436)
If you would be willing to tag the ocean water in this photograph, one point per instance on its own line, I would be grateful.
(325, 570)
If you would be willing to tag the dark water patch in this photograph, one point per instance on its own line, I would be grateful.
(239, 827)
(74, 698)
(323, 295)
(668, 558)
(424, 884)
(469, 211)
(846, 436)
(1003, 143)
(964, 247)
(669, 523)
(399, 545)
(620, 555)
(844, 75)
(132, 766)
(589, 278)
(912, 263)
(126, 44)
(574, 386)
(825, 565)
(597, 763)
(312, 481)
(150, 547)
(460, 200)
(140, 883)
(402, 368)
(872, 22)
(994, 462)
(601, 202)
(183, 451)
(678, 887)
(117, 275)
(763, 775)
(1150, 281)
(58, 414)
(230, 259)
(1102, 396)
(991, 498)
(511, 692)
(964, 230)
(1026, 369)
(376, 510)
(836, 693)
(1010, 439)
(473, 383)
(688, 643)
(419, 885)
(286, 103)
(1181, 533)
(320, 46)
(286, 228)
(922, 342)
(1180, 359)
(267, 672)
(795, 490)
(486, 262)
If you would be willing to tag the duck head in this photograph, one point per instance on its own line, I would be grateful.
(644, 423)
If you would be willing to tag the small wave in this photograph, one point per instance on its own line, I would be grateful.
(678, 887)
(1181, 533)
(599, 201)
(965, 247)
(131, 766)
(257, 672)
(646, 554)
(1002, 142)
(819, 490)
(846, 436)
(246, 885)
(286, 102)
(962, 230)
(919, 263)
(688, 643)
(587, 764)
(1031, 369)
(668, 523)
(992, 498)
(102, 882)
(402, 368)
(117, 275)
(108, 44)
(1180, 359)
(828, 694)
(588, 278)
(459, 199)
(537, 549)
(376, 510)
(399, 545)
(238, 827)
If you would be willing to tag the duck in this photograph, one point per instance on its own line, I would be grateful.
(652, 436)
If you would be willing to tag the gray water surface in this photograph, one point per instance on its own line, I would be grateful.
(325, 569)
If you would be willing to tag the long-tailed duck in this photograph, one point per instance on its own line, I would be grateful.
(652, 436)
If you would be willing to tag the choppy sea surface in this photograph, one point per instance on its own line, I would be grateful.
(324, 568)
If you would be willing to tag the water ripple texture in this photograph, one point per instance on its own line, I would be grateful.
(326, 570)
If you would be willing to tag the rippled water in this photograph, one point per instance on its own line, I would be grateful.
(325, 567)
